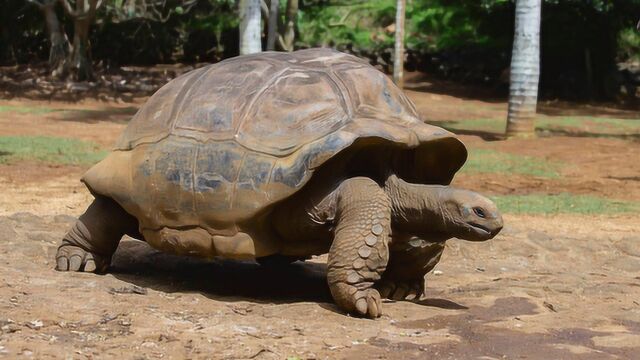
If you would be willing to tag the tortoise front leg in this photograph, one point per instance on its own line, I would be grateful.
(410, 260)
(89, 245)
(359, 253)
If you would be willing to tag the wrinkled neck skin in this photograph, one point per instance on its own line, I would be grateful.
(418, 210)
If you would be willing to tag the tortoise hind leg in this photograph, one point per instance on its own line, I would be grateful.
(89, 245)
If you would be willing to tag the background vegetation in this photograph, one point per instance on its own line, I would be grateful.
(587, 45)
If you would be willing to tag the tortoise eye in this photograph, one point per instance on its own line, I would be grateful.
(479, 212)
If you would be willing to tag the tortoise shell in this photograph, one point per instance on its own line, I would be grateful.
(222, 144)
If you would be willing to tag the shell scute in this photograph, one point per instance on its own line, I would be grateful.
(285, 108)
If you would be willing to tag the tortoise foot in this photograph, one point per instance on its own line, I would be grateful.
(74, 258)
(401, 290)
(363, 302)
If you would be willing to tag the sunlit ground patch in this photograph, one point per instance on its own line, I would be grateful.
(49, 149)
(563, 203)
(492, 161)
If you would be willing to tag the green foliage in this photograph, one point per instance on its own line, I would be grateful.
(629, 44)
(358, 25)
(432, 25)
(49, 150)
(562, 203)
(436, 25)
(461, 40)
(492, 161)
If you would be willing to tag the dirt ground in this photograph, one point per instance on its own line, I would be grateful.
(548, 287)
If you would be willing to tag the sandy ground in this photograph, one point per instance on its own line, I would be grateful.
(548, 287)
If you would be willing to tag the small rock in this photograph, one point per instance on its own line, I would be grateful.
(107, 318)
(167, 338)
(437, 272)
(549, 306)
(10, 328)
(35, 324)
(246, 330)
(149, 345)
(26, 352)
(133, 289)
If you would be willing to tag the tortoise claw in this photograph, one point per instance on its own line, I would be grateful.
(74, 258)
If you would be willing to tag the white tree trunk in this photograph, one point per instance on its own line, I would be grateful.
(250, 27)
(398, 57)
(525, 69)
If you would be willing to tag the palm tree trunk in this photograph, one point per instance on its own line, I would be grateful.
(250, 29)
(398, 58)
(525, 69)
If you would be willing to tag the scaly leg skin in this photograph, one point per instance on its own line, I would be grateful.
(89, 245)
(411, 259)
(359, 253)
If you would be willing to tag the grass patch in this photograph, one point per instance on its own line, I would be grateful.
(586, 124)
(26, 109)
(562, 203)
(486, 125)
(590, 124)
(49, 149)
(491, 161)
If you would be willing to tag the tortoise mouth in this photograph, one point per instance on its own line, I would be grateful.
(478, 232)
(481, 228)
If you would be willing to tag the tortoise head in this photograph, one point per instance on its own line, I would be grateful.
(440, 212)
(468, 215)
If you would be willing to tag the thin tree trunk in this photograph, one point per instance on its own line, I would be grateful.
(250, 29)
(81, 53)
(59, 47)
(287, 41)
(79, 61)
(398, 57)
(272, 27)
(525, 69)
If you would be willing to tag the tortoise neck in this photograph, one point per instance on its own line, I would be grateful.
(417, 208)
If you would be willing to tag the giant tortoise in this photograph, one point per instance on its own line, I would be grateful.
(285, 156)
